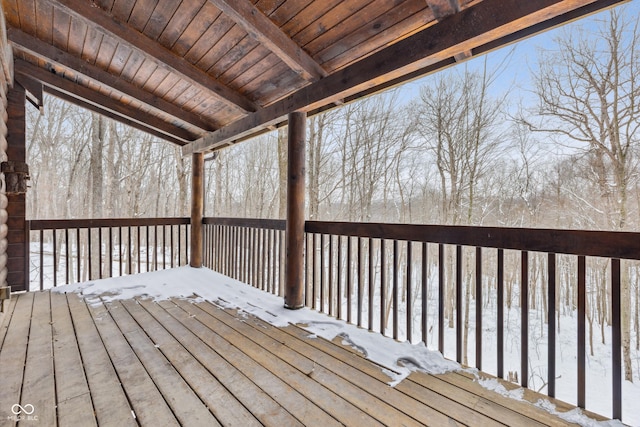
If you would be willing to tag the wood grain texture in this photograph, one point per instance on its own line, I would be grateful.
(465, 30)
(243, 65)
(178, 361)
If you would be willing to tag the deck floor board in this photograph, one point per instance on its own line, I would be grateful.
(13, 355)
(183, 362)
(72, 390)
(198, 370)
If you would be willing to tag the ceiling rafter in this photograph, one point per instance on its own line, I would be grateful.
(53, 55)
(124, 120)
(165, 58)
(144, 121)
(472, 28)
(270, 36)
(443, 8)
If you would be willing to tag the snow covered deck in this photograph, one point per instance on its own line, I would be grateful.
(192, 347)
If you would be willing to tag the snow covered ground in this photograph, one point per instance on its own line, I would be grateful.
(399, 357)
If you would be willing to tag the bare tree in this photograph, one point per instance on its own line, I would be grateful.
(588, 89)
(458, 123)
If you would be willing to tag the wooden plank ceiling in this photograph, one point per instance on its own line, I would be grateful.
(208, 73)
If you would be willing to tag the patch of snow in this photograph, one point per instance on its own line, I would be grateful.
(576, 416)
(398, 359)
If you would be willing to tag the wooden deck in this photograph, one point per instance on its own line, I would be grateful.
(138, 362)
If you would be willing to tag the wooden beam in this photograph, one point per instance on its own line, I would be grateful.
(197, 209)
(91, 107)
(492, 45)
(53, 55)
(270, 36)
(467, 30)
(34, 90)
(102, 101)
(97, 18)
(294, 270)
(443, 8)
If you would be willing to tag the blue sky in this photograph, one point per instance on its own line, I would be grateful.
(518, 68)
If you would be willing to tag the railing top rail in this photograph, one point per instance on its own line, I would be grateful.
(48, 224)
(607, 244)
(273, 224)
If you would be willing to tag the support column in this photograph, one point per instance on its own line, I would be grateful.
(197, 208)
(294, 277)
(17, 236)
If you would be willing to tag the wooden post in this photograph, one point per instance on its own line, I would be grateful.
(197, 208)
(17, 236)
(294, 279)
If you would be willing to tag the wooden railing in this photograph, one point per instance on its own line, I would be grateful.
(249, 250)
(74, 250)
(396, 279)
(411, 282)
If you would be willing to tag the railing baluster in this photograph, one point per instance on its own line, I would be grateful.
(268, 250)
(129, 253)
(55, 260)
(100, 252)
(582, 305)
(349, 270)
(524, 318)
(459, 303)
(256, 257)
(500, 321)
(371, 285)
(261, 257)
(164, 247)
(424, 293)
(120, 254)
(252, 247)
(322, 267)
(314, 286)
(360, 282)
(252, 257)
(228, 251)
(331, 272)
(263, 249)
(179, 245)
(383, 284)
(155, 248)
(395, 289)
(78, 250)
(66, 254)
(172, 253)
(339, 284)
(148, 243)
(274, 265)
(90, 275)
(551, 326)
(479, 308)
(441, 283)
(616, 339)
(110, 252)
(409, 292)
(42, 260)
(248, 252)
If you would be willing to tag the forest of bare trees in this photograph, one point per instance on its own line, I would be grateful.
(464, 150)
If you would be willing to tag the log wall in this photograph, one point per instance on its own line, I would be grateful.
(6, 80)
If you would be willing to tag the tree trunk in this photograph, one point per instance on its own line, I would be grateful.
(98, 129)
(282, 172)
